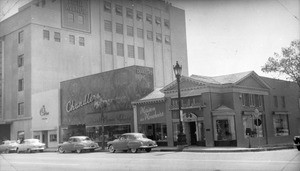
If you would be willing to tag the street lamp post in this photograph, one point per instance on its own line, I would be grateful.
(181, 138)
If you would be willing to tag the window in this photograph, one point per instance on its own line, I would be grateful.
(129, 13)
(20, 60)
(107, 6)
(119, 10)
(252, 100)
(283, 101)
(107, 25)
(275, 101)
(149, 18)
(81, 41)
(20, 135)
(281, 126)
(21, 84)
(120, 49)
(157, 20)
(157, 132)
(57, 36)
(46, 34)
(72, 39)
(108, 47)
(253, 127)
(150, 35)
(167, 23)
(130, 51)
(141, 53)
(80, 19)
(70, 18)
(140, 33)
(158, 37)
(20, 36)
(119, 28)
(167, 39)
(21, 108)
(130, 31)
(53, 137)
(139, 15)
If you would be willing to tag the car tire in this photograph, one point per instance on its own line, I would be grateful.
(134, 150)
(148, 150)
(111, 149)
(28, 150)
(298, 147)
(18, 150)
(78, 151)
(61, 150)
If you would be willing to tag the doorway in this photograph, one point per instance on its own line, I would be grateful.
(45, 138)
(193, 133)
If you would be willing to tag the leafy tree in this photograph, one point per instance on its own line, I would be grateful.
(288, 62)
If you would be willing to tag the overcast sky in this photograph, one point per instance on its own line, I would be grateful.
(228, 36)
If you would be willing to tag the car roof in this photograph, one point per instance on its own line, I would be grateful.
(133, 133)
(79, 137)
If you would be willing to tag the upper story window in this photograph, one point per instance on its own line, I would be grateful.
(57, 36)
(72, 39)
(167, 23)
(158, 37)
(157, 20)
(70, 18)
(275, 101)
(139, 15)
(21, 84)
(120, 49)
(140, 33)
(108, 47)
(20, 37)
(81, 41)
(149, 18)
(130, 51)
(141, 53)
(80, 19)
(20, 60)
(46, 34)
(119, 28)
(283, 101)
(129, 13)
(130, 31)
(21, 108)
(107, 25)
(167, 39)
(252, 100)
(107, 6)
(150, 35)
(119, 10)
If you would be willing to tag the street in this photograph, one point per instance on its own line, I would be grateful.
(283, 160)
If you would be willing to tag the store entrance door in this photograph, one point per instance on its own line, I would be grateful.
(45, 138)
(193, 133)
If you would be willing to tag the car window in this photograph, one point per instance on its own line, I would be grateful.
(131, 137)
(123, 137)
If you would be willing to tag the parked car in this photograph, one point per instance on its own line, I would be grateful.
(78, 144)
(8, 146)
(132, 142)
(297, 142)
(30, 145)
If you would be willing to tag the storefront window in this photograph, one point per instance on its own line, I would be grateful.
(110, 132)
(253, 127)
(53, 137)
(223, 130)
(281, 126)
(157, 132)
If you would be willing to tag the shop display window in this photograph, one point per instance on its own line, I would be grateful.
(53, 137)
(157, 132)
(281, 126)
(253, 127)
(224, 128)
(110, 132)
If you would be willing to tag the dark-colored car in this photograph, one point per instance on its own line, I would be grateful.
(8, 146)
(297, 142)
(78, 144)
(131, 141)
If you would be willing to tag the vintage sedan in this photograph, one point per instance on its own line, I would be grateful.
(78, 144)
(297, 142)
(132, 142)
(8, 146)
(31, 145)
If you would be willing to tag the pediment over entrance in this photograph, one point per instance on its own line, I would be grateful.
(185, 83)
(223, 110)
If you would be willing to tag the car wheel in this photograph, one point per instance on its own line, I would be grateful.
(28, 150)
(78, 151)
(148, 150)
(111, 149)
(134, 150)
(298, 147)
(18, 150)
(60, 150)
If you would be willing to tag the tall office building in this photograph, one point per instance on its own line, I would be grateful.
(50, 41)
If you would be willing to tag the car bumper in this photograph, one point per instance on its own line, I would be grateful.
(37, 148)
(153, 146)
(90, 148)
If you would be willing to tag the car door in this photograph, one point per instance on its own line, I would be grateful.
(120, 143)
(69, 146)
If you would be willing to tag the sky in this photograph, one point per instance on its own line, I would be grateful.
(228, 36)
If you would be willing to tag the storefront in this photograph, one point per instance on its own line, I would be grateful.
(99, 105)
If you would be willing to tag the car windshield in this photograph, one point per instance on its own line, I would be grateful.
(137, 136)
(85, 139)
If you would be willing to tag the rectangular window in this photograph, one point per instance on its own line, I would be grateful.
(253, 127)
(246, 99)
(107, 6)
(72, 39)
(108, 47)
(21, 84)
(130, 31)
(167, 39)
(119, 28)
(140, 33)
(57, 36)
(21, 108)
(261, 100)
(129, 13)
(150, 35)
(149, 18)
(70, 18)
(20, 36)
(80, 19)
(158, 37)
(20, 60)
(130, 51)
(120, 49)
(107, 25)
(167, 23)
(283, 101)
(20, 135)
(256, 100)
(157, 20)
(81, 41)
(275, 101)
(141, 53)
(281, 126)
(119, 10)
(53, 137)
(46, 34)
(139, 16)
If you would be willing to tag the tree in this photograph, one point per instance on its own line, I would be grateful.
(288, 62)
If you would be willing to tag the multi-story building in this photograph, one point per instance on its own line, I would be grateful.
(50, 41)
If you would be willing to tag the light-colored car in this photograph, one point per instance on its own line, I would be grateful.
(31, 145)
(78, 144)
(8, 146)
(132, 142)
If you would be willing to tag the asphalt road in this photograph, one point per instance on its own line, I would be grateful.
(281, 160)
